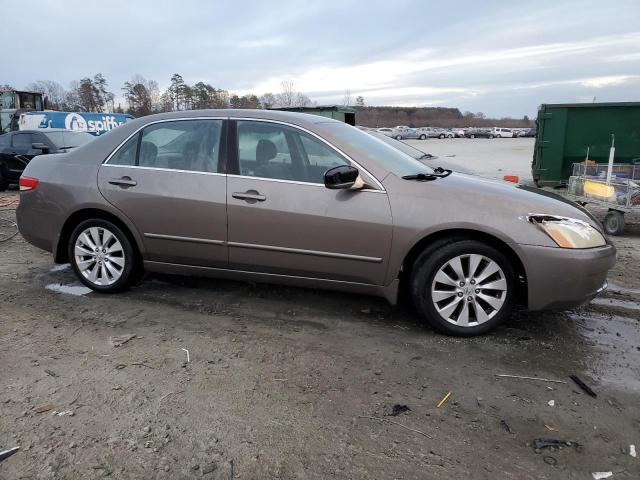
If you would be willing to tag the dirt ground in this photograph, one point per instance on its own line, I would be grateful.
(293, 383)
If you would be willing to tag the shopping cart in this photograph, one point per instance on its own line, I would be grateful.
(620, 195)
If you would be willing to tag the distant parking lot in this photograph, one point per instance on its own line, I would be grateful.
(490, 158)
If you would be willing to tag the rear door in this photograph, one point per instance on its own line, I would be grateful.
(282, 219)
(166, 180)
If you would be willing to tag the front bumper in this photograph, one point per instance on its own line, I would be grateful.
(560, 278)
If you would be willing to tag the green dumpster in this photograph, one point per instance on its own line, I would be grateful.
(566, 132)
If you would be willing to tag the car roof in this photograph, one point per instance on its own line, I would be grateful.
(301, 119)
(46, 130)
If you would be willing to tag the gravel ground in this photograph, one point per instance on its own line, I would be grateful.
(293, 383)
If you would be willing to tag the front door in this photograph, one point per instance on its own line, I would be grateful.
(283, 220)
(165, 180)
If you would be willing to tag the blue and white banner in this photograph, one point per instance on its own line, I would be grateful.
(93, 123)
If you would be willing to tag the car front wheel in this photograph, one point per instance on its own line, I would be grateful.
(423, 137)
(398, 137)
(102, 256)
(463, 287)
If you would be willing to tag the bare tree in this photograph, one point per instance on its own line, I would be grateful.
(53, 92)
(346, 100)
(287, 97)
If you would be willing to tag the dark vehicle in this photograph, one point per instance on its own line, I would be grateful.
(18, 148)
(426, 158)
(479, 133)
(529, 133)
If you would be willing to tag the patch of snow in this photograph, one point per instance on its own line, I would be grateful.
(77, 290)
(60, 268)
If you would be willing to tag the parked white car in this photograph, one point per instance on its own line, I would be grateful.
(387, 131)
(502, 132)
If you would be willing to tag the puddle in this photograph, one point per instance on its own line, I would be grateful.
(614, 302)
(76, 290)
(59, 268)
(615, 359)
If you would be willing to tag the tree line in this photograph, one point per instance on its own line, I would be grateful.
(431, 117)
(144, 97)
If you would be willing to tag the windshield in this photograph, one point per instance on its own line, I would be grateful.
(376, 150)
(403, 147)
(69, 139)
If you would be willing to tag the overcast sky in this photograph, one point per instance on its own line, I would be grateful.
(503, 58)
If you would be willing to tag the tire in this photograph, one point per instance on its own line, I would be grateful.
(398, 137)
(613, 223)
(472, 136)
(423, 137)
(447, 314)
(441, 136)
(490, 136)
(498, 136)
(4, 183)
(116, 271)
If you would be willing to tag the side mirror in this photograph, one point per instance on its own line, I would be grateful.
(341, 177)
(40, 146)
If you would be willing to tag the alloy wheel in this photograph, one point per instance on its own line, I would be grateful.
(99, 256)
(469, 290)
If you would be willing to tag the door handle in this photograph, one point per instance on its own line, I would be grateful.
(250, 195)
(123, 182)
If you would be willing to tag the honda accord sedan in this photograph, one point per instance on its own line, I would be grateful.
(304, 200)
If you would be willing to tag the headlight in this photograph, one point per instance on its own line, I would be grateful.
(568, 232)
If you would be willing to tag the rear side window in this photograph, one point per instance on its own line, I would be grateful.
(126, 155)
(22, 140)
(4, 139)
(192, 145)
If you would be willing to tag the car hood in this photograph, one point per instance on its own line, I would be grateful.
(471, 202)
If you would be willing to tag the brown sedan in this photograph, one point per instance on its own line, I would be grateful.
(303, 200)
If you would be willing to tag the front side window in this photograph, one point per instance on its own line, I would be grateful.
(270, 150)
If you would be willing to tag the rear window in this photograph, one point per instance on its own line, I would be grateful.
(68, 139)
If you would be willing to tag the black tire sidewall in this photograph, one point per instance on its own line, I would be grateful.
(128, 275)
(428, 264)
(4, 183)
(619, 218)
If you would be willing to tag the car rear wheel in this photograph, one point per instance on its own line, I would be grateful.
(102, 256)
(490, 136)
(423, 137)
(472, 136)
(398, 137)
(463, 287)
(441, 136)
